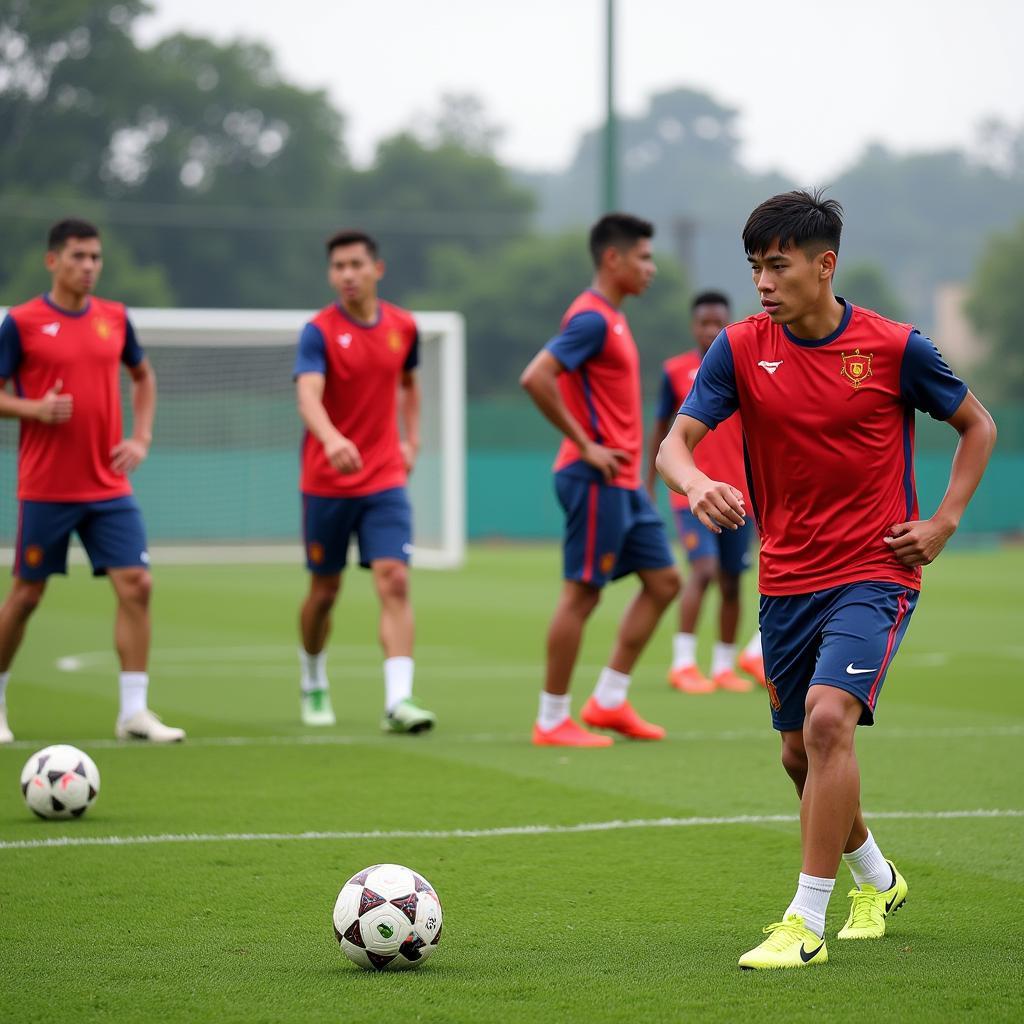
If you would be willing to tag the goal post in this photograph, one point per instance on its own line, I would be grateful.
(221, 480)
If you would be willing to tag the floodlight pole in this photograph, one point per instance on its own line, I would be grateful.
(610, 176)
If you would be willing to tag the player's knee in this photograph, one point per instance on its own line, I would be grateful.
(664, 587)
(827, 727)
(393, 582)
(729, 586)
(323, 593)
(135, 587)
(794, 760)
(25, 597)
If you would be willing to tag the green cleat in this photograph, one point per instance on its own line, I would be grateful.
(408, 716)
(870, 908)
(789, 944)
(316, 708)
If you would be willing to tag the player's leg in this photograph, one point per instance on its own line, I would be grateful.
(21, 601)
(385, 544)
(733, 560)
(698, 543)
(645, 551)
(114, 537)
(751, 659)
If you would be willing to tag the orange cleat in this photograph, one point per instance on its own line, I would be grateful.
(568, 734)
(728, 680)
(753, 665)
(690, 679)
(622, 719)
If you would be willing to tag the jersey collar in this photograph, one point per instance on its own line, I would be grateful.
(67, 312)
(843, 324)
(359, 323)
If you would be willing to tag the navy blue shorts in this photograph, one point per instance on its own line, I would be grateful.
(112, 533)
(730, 548)
(382, 522)
(845, 637)
(609, 531)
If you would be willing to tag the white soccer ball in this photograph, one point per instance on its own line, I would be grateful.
(60, 782)
(387, 918)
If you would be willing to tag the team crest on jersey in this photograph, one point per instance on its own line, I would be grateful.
(33, 556)
(103, 328)
(773, 695)
(394, 341)
(856, 368)
(344, 340)
(607, 563)
(316, 552)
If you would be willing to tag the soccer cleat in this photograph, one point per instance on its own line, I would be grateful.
(870, 908)
(623, 719)
(316, 708)
(729, 680)
(407, 716)
(753, 665)
(789, 944)
(6, 736)
(690, 679)
(144, 725)
(568, 734)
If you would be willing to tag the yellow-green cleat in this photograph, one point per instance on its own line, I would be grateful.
(790, 943)
(408, 716)
(870, 908)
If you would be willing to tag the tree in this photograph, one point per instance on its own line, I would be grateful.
(865, 284)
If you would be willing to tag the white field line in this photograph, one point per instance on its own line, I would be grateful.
(475, 833)
(443, 739)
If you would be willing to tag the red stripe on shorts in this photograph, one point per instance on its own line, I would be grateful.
(588, 557)
(902, 605)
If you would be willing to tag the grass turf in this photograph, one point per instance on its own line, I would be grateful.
(634, 924)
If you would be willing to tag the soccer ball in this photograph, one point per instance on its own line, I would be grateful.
(60, 782)
(387, 918)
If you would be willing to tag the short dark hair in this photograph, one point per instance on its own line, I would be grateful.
(352, 236)
(803, 219)
(70, 227)
(710, 298)
(619, 231)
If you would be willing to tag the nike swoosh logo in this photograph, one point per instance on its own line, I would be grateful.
(851, 671)
(888, 905)
(808, 957)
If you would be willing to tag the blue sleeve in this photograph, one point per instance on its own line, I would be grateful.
(10, 348)
(713, 397)
(412, 360)
(926, 382)
(666, 407)
(132, 354)
(581, 339)
(312, 354)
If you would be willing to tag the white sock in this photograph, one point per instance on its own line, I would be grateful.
(397, 681)
(133, 693)
(811, 901)
(869, 867)
(753, 649)
(723, 657)
(611, 689)
(684, 650)
(313, 671)
(4, 679)
(554, 710)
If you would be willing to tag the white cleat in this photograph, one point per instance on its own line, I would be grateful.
(6, 736)
(316, 708)
(144, 725)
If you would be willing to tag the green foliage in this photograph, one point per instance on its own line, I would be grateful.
(866, 285)
(996, 308)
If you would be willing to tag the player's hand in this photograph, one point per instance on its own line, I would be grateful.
(409, 453)
(716, 504)
(54, 407)
(343, 455)
(609, 461)
(918, 542)
(126, 456)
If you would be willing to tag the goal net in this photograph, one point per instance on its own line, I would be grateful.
(221, 480)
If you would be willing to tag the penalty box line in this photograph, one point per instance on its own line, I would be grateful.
(57, 842)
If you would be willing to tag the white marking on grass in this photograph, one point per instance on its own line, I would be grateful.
(477, 833)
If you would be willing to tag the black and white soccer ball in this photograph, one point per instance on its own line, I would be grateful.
(60, 782)
(387, 918)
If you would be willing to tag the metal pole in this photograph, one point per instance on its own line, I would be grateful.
(610, 182)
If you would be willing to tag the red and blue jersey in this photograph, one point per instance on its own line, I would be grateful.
(829, 435)
(720, 452)
(40, 343)
(601, 385)
(362, 365)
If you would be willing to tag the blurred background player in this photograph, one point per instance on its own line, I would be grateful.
(827, 392)
(722, 557)
(586, 381)
(63, 351)
(355, 377)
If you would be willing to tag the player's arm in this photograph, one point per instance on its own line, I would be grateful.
(342, 453)
(581, 339)
(53, 407)
(409, 403)
(128, 454)
(711, 400)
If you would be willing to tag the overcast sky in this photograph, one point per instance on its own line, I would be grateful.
(813, 81)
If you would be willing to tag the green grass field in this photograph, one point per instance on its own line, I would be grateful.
(638, 923)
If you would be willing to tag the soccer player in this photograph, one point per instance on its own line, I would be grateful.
(586, 381)
(63, 351)
(827, 392)
(724, 556)
(355, 375)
